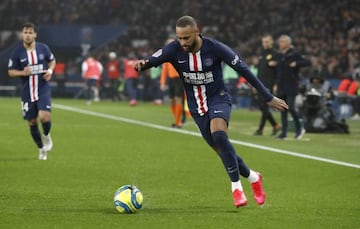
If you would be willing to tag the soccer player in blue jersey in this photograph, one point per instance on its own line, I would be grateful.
(34, 63)
(198, 60)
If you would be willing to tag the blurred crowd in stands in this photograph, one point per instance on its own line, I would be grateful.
(327, 31)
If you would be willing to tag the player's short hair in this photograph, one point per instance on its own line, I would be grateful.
(185, 21)
(29, 25)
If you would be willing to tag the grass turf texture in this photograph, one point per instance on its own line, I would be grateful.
(183, 182)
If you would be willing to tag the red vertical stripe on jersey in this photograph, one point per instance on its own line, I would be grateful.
(199, 89)
(195, 62)
(202, 108)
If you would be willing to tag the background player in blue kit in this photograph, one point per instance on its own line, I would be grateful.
(198, 60)
(34, 63)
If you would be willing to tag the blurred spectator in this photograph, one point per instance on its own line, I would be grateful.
(176, 91)
(154, 86)
(131, 79)
(113, 74)
(91, 72)
(289, 63)
(60, 76)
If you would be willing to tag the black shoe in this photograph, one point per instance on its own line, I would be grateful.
(258, 133)
(281, 136)
(276, 129)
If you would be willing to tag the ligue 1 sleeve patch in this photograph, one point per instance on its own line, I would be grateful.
(235, 60)
(10, 63)
(157, 53)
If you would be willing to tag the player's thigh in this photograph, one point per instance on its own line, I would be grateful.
(29, 110)
(203, 123)
(44, 106)
(220, 110)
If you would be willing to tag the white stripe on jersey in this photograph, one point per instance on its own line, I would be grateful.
(201, 99)
(195, 63)
(33, 79)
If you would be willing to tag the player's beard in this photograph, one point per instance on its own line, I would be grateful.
(28, 42)
(191, 47)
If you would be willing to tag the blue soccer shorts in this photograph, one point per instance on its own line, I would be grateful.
(218, 110)
(30, 110)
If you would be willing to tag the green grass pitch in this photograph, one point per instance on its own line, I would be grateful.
(183, 182)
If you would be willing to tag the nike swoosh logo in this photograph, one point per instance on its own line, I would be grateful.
(181, 61)
(216, 111)
(48, 107)
(23, 60)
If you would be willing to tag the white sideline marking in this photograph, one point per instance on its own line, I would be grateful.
(141, 123)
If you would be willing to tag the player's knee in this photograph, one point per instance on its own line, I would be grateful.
(219, 138)
(44, 116)
(32, 122)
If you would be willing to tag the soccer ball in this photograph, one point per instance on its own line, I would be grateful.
(128, 199)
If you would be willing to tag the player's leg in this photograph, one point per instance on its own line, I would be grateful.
(45, 120)
(30, 113)
(35, 132)
(232, 162)
(44, 106)
(222, 145)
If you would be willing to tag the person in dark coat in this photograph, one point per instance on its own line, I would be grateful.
(267, 75)
(289, 63)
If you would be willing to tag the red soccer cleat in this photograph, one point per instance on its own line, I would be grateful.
(239, 198)
(258, 191)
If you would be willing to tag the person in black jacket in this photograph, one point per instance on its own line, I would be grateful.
(267, 75)
(289, 63)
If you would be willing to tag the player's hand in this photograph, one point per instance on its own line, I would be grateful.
(278, 104)
(26, 71)
(139, 64)
(48, 74)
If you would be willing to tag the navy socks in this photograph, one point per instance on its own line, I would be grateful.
(46, 127)
(35, 133)
(234, 165)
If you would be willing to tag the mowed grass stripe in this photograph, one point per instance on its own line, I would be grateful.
(251, 145)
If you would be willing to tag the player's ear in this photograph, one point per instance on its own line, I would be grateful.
(197, 31)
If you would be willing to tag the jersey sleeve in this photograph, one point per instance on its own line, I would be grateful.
(235, 62)
(161, 56)
(49, 55)
(14, 63)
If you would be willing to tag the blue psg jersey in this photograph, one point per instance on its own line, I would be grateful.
(37, 59)
(201, 72)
